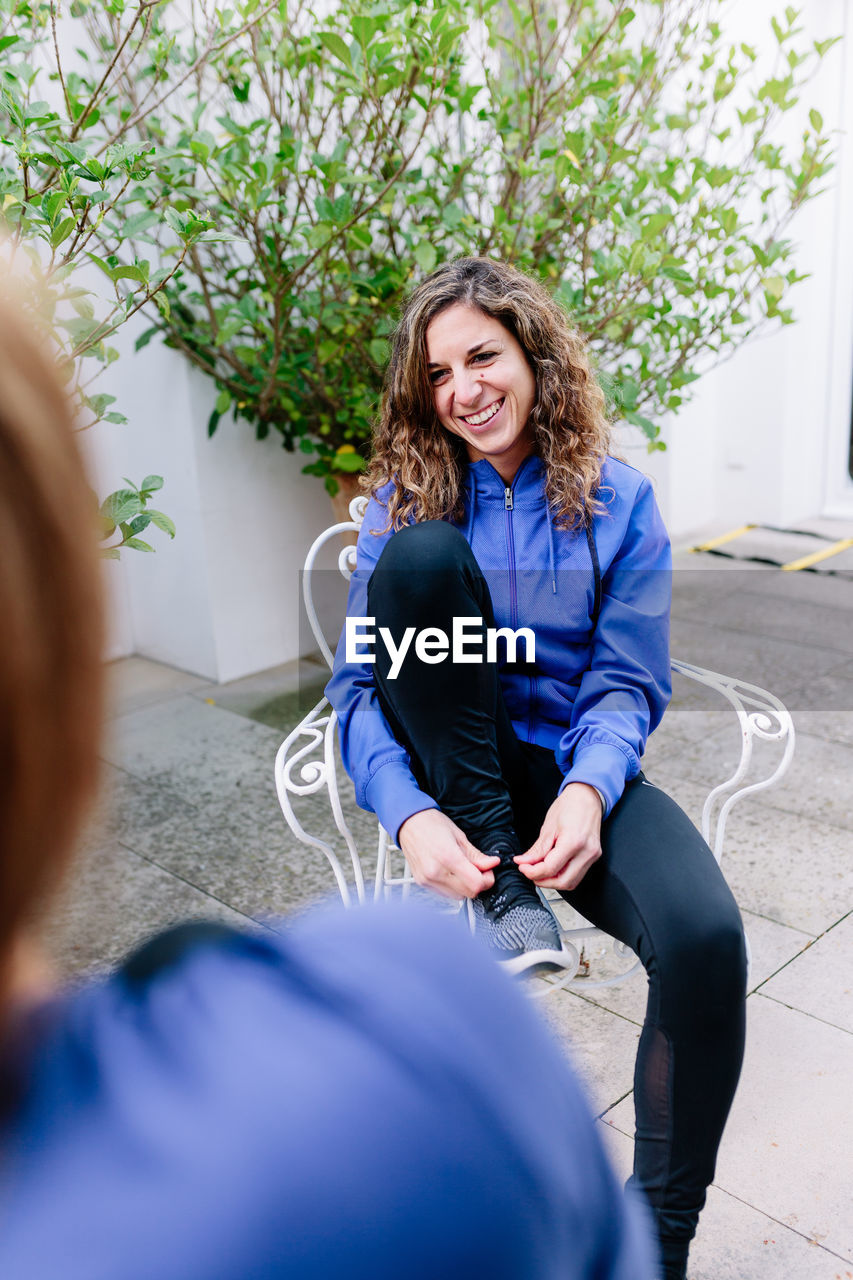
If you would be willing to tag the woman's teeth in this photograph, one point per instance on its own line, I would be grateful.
(479, 419)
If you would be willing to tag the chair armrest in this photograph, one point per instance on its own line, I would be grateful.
(762, 716)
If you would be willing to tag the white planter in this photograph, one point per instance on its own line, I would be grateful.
(223, 599)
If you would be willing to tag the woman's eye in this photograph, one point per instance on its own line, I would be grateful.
(485, 355)
(437, 375)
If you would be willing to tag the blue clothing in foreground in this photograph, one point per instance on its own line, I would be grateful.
(365, 1096)
(601, 678)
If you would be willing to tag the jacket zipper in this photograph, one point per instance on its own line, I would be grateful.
(513, 596)
(510, 550)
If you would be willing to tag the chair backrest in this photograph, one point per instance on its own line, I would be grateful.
(346, 564)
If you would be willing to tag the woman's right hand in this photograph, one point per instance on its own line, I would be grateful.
(442, 858)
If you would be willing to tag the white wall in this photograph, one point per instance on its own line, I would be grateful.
(765, 437)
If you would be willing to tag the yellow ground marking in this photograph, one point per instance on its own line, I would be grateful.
(725, 537)
(805, 561)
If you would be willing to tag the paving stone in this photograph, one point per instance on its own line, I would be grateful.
(779, 666)
(822, 627)
(771, 945)
(126, 805)
(786, 1147)
(816, 784)
(601, 1045)
(830, 590)
(114, 901)
(279, 697)
(244, 854)
(136, 682)
(820, 980)
(823, 708)
(735, 1241)
(200, 752)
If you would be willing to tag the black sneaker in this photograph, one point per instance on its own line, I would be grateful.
(516, 925)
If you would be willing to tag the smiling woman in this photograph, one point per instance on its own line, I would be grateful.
(483, 385)
(494, 499)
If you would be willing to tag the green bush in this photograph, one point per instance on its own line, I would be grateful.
(627, 156)
(268, 184)
(80, 183)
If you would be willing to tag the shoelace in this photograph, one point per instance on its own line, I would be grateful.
(510, 888)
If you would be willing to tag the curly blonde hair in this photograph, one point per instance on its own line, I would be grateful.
(425, 463)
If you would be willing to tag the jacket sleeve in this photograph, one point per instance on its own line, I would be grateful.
(378, 765)
(627, 686)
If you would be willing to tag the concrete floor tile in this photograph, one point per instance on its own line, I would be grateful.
(823, 708)
(786, 1148)
(771, 946)
(820, 980)
(200, 752)
(244, 854)
(821, 627)
(137, 682)
(126, 804)
(115, 901)
(774, 664)
(601, 1045)
(790, 869)
(830, 591)
(735, 1241)
(628, 998)
(816, 784)
(279, 697)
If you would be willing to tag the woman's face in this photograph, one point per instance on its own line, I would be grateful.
(482, 386)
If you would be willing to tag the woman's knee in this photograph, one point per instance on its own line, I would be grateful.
(431, 545)
(709, 954)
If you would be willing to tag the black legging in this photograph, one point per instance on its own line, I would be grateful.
(656, 887)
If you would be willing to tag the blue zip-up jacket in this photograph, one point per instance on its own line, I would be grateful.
(601, 678)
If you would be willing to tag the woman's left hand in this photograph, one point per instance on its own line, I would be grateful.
(569, 842)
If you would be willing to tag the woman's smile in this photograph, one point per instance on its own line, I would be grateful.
(485, 416)
(483, 387)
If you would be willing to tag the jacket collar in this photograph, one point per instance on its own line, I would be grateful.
(485, 481)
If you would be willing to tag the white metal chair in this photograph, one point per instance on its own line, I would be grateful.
(306, 763)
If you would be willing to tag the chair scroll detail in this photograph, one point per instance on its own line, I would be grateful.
(306, 764)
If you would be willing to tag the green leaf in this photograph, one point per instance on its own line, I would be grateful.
(136, 544)
(163, 522)
(223, 402)
(52, 203)
(151, 484)
(774, 286)
(816, 120)
(213, 423)
(121, 505)
(336, 46)
(425, 255)
(638, 420)
(145, 338)
(138, 223)
(62, 231)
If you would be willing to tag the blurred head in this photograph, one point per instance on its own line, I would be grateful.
(419, 441)
(50, 631)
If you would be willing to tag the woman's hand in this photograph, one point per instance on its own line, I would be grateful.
(442, 858)
(569, 842)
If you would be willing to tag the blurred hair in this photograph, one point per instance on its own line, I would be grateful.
(51, 680)
(570, 430)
